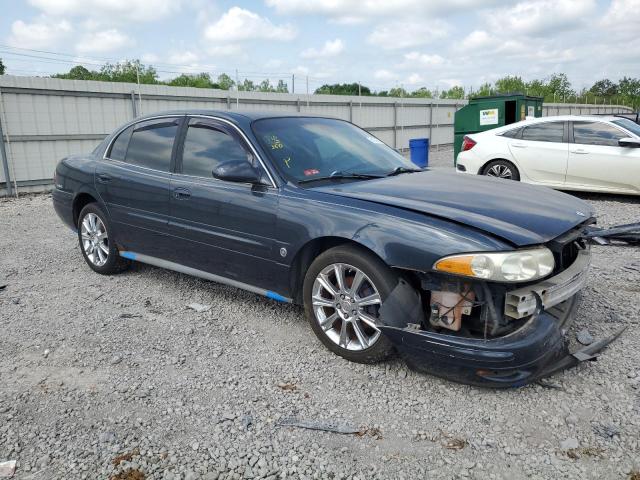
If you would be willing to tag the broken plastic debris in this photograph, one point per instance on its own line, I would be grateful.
(326, 426)
(198, 307)
(8, 468)
(584, 337)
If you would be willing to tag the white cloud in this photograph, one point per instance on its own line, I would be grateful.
(331, 48)
(42, 33)
(300, 70)
(423, 59)
(225, 50)
(186, 57)
(238, 24)
(136, 10)
(351, 11)
(103, 41)
(407, 34)
(385, 75)
(622, 19)
(149, 58)
(414, 79)
(541, 16)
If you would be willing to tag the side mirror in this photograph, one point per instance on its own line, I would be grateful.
(237, 171)
(629, 142)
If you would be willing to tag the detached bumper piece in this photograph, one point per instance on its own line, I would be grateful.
(629, 233)
(537, 350)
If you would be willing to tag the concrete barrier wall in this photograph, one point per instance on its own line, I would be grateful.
(45, 119)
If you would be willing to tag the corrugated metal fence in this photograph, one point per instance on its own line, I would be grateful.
(43, 119)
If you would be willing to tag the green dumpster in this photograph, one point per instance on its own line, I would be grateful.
(485, 113)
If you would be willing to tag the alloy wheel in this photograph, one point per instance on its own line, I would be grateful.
(95, 241)
(501, 171)
(346, 305)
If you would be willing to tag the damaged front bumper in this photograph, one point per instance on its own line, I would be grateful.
(535, 350)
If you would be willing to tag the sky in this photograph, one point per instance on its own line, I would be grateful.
(380, 43)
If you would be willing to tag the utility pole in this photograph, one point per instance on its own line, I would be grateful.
(293, 83)
(307, 90)
(359, 89)
(237, 90)
(139, 96)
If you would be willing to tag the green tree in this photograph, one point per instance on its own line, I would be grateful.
(456, 92)
(344, 89)
(559, 88)
(282, 87)
(484, 91)
(604, 88)
(247, 86)
(200, 80)
(130, 71)
(422, 92)
(225, 82)
(2, 67)
(265, 86)
(510, 84)
(78, 73)
(536, 88)
(398, 92)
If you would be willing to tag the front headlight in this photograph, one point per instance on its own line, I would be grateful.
(515, 266)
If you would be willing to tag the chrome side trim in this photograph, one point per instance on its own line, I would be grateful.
(176, 267)
(552, 291)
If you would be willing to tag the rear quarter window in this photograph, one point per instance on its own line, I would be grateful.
(118, 148)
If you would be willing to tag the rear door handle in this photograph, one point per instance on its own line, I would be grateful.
(103, 178)
(181, 193)
(580, 151)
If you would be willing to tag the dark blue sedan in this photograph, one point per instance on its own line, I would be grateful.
(469, 278)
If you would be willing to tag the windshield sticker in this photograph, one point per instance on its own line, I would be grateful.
(311, 171)
(276, 144)
(373, 139)
(286, 162)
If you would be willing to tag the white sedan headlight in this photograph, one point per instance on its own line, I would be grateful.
(514, 266)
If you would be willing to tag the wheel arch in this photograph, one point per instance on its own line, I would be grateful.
(80, 201)
(309, 252)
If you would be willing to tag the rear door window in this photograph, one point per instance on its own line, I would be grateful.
(151, 145)
(544, 132)
(206, 147)
(596, 133)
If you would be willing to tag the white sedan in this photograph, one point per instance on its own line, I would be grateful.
(569, 152)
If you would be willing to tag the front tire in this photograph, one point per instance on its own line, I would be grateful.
(343, 291)
(96, 242)
(501, 169)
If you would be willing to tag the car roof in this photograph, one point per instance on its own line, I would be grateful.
(556, 118)
(235, 116)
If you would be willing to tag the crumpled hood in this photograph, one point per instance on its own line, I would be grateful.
(520, 213)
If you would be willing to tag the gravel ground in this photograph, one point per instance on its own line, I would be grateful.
(114, 378)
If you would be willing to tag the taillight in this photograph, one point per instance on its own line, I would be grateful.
(467, 144)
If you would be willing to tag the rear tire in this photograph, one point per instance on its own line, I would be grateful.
(501, 169)
(367, 281)
(97, 243)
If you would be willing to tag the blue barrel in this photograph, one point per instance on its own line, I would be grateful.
(419, 148)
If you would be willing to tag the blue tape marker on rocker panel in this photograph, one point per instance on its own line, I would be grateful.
(129, 255)
(275, 296)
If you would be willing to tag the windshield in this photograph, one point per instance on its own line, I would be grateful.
(306, 148)
(627, 124)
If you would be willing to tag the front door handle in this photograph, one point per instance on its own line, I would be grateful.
(181, 194)
(579, 151)
(104, 178)
(519, 145)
